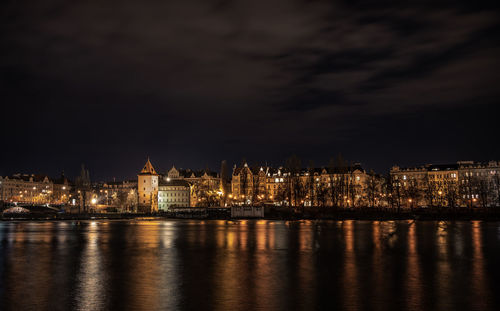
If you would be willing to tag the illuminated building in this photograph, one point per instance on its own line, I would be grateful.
(173, 193)
(147, 189)
(465, 183)
(205, 185)
(36, 189)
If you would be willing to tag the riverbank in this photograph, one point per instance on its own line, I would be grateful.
(487, 214)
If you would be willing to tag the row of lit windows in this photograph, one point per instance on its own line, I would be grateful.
(174, 194)
(172, 200)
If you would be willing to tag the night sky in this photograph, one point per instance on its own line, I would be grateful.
(190, 83)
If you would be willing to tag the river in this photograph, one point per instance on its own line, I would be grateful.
(249, 265)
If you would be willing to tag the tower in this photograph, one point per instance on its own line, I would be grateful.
(147, 189)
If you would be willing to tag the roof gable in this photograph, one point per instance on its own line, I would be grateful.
(149, 169)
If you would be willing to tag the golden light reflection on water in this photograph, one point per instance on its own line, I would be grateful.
(91, 277)
(350, 268)
(266, 265)
(444, 273)
(154, 282)
(479, 290)
(228, 269)
(377, 261)
(33, 253)
(413, 277)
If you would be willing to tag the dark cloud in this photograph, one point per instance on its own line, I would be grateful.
(195, 82)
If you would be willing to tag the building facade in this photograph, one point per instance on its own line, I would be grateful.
(465, 183)
(173, 193)
(344, 186)
(147, 189)
(26, 188)
(206, 186)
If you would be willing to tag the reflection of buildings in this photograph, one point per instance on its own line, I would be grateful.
(91, 275)
(413, 279)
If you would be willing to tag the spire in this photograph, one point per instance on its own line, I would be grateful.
(148, 168)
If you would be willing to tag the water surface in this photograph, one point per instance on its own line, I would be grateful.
(245, 265)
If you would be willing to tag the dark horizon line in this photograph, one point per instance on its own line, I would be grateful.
(62, 172)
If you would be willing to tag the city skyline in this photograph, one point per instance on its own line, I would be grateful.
(340, 185)
(163, 169)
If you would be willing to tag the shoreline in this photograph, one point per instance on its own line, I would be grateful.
(286, 214)
(340, 217)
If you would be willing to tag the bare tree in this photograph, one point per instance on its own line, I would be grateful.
(225, 179)
(388, 190)
(430, 190)
(258, 190)
(293, 165)
(311, 185)
(353, 190)
(397, 193)
(371, 188)
(83, 188)
(484, 191)
(411, 192)
(338, 181)
(283, 192)
(467, 188)
(245, 181)
(496, 187)
(451, 192)
(322, 193)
